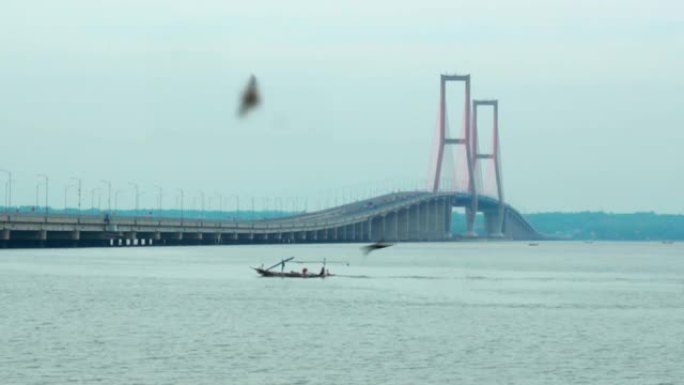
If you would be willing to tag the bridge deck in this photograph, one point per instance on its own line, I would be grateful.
(404, 216)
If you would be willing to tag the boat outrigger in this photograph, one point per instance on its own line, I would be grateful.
(291, 274)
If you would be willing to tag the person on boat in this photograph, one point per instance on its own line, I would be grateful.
(304, 271)
(322, 273)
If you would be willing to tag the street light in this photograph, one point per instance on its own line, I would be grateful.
(116, 199)
(79, 193)
(182, 198)
(66, 195)
(202, 201)
(46, 191)
(92, 198)
(237, 205)
(6, 189)
(8, 193)
(109, 194)
(219, 199)
(137, 195)
(161, 193)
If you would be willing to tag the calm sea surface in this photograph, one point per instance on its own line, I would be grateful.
(456, 313)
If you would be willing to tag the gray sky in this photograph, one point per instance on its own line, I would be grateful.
(591, 97)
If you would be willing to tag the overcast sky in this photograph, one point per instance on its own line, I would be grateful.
(591, 97)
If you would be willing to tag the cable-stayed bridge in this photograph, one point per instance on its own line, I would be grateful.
(456, 180)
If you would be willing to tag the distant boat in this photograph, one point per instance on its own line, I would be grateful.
(291, 274)
(533, 244)
(668, 242)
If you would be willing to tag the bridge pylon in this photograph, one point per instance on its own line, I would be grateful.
(465, 141)
(494, 220)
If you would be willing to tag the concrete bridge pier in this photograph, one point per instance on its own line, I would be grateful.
(321, 235)
(131, 238)
(438, 219)
(402, 217)
(494, 223)
(378, 228)
(425, 221)
(213, 238)
(4, 238)
(470, 222)
(41, 236)
(412, 226)
(63, 238)
(447, 211)
(151, 238)
(395, 226)
(390, 230)
(156, 237)
(174, 238)
(430, 221)
(193, 238)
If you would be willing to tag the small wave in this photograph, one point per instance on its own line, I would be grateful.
(393, 276)
(352, 276)
(573, 279)
(416, 277)
(548, 306)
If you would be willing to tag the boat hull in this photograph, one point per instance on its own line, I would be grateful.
(288, 274)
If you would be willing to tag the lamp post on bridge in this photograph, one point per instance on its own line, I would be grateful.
(92, 198)
(219, 199)
(264, 208)
(137, 195)
(109, 193)
(237, 207)
(116, 199)
(66, 195)
(182, 198)
(79, 193)
(161, 194)
(46, 191)
(8, 192)
(201, 202)
(6, 189)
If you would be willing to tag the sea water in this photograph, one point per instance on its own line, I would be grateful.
(415, 313)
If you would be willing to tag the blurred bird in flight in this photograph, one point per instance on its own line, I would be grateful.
(375, 246)
(250, 97)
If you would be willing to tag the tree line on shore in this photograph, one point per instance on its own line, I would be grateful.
(643, 226)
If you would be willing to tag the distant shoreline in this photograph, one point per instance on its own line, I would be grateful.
(598, 226)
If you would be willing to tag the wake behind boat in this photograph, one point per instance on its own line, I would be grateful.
(291, 274)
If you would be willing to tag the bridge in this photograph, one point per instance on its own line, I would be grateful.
(396, 216)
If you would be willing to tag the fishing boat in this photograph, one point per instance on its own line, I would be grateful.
(268, 272)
